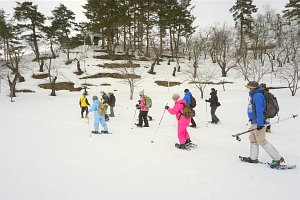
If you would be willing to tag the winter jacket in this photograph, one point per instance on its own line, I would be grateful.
(142, 104)
(187, 97)
(178, 110)
(256, 107)
(95, 106)
(83, 102)
(213, 100)
(112, 100)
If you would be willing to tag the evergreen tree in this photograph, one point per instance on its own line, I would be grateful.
(32, 20)
(241, 12)
(292, 12)
(63, 21)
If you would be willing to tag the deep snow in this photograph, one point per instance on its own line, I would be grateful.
(48, 153)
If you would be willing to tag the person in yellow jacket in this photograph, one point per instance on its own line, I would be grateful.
(84, 103)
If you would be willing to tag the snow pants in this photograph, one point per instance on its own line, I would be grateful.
(183, 135)
(101, 120)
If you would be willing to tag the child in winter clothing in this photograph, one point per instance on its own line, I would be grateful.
(214, 103)
(187, 98)
(97, 117)
(183, 122)
(84, 103)
(111, 103)
(143, 110)
(256, 108)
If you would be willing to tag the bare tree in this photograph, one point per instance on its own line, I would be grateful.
(15, 59)
(52, 74)
(196, 46)
(290, 69)
(130, 76)
(204, 76)
(223, 48)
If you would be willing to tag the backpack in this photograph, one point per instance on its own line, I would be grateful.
(193, 102)
(148, 101)
(101, 109)
(188, 111)
(272, 107)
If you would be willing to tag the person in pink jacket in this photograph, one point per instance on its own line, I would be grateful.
(183, 122)
(143, 111)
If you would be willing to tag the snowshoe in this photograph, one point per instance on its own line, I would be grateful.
(181, 146)
(248, 159)
(275, 164)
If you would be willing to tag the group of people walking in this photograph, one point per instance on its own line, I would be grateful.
(256, 108)
(99, 107)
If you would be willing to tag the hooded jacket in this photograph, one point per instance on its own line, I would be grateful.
(95, 106)
(213, 100)
(256, 107)
(187, 97)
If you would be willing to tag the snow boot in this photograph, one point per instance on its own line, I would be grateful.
(95, 132)
(180, 146)
(104, 132)
(188, 142)
(248, 159)
(276, 163)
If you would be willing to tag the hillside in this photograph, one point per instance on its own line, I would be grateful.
(48, 153)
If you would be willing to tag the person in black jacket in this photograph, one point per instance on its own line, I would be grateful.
(111, 103)
(214, 103)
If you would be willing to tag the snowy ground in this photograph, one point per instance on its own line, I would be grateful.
(48, 153)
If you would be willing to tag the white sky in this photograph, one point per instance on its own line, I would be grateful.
(207, 12)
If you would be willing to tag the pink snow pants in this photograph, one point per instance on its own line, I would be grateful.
(183, 135)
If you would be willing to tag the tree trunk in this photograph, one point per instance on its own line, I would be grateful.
(53, 86)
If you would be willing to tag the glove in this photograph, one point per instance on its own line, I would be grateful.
(137, 106)
(259, 127)
(206, 100)
(139, 101)
(166, 107)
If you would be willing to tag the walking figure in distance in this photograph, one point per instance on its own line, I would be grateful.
(84, 103)
(143, 110)
(111, 103)
(214, 103)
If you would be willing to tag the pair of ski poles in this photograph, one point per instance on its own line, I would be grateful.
(237, 136)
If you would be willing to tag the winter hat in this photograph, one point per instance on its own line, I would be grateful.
(175, 96)
(95, 97)
(252, 85)
(186, 90)
(141, 93)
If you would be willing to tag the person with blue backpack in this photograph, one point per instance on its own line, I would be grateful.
(190, 100)
(256, 109)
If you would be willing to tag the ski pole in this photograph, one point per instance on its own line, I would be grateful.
(133, 118)
(206, 114)
(242, 133)
(159, 125)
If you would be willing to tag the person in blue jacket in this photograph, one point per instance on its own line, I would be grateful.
(256, 108)
(97, 117)
(187, 98)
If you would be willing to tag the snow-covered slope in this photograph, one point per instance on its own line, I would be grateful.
(48, 153)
